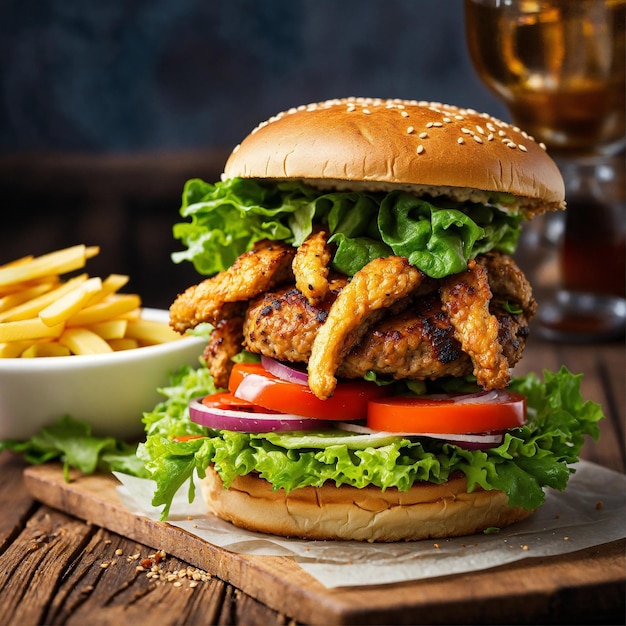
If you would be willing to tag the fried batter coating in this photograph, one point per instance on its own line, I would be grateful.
(465, 297)
(376, 286)
(224, 343)
(507, 281)
(310, 267)
(266, 265)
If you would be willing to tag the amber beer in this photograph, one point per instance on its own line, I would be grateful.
(558, 65)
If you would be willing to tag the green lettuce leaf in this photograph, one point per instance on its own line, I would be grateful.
(438, 236)
(530, 458)
(71, 442)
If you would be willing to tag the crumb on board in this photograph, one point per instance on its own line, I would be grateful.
(152, 565)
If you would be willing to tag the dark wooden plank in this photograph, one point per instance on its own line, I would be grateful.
(34, 562)
(16, 503)
(526, 591)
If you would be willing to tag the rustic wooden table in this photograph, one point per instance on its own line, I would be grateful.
(56, 568)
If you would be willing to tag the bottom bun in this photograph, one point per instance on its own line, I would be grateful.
(367, 514)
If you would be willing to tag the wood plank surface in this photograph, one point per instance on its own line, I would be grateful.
(572, 586)
(52, 572)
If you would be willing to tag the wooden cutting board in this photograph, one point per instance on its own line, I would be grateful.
(567, 588)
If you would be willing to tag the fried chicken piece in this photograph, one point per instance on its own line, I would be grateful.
(507, 281)
(465, 298)
(376, 286)
(416, 344)
(310, 267)
(224, 343)
(268, 264)
(283, 325)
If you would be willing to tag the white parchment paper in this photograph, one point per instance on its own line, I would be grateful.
(590, 512)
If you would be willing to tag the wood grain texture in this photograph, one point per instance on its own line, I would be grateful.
(531, 590)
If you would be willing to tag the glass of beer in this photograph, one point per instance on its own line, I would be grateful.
(558, 65)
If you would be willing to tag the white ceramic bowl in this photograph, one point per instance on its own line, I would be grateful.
(109, 391)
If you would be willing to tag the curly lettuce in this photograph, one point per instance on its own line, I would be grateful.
(532, 457)
(438, 236)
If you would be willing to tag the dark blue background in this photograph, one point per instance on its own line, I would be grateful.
(137, 75)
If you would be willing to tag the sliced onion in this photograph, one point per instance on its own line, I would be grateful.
(249, 422)
(473, 441)
(463, 398)
(284, 372)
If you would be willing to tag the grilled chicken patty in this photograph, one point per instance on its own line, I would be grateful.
(414, 339)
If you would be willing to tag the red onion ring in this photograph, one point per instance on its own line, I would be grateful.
(284, 372)
(244, 421)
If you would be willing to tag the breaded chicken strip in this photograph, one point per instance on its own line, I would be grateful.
(507, 281)
(465, 298)
(268, 264)
(376, 286)
(310, 267)
(224, 343)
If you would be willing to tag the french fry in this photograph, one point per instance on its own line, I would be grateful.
(70, 303)
(113, 306)
(83, 341)
(16, 298)
(123, 344)
(16, 262)
(59, 262)
(42, 315)
(151, 332)
(31, 308)
(45, 348)
(13, 349)
(110, 285)
(28, 329)
(110, 329)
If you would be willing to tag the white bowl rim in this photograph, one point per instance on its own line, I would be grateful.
(84, 360)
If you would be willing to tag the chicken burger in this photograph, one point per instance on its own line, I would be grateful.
(365, 314)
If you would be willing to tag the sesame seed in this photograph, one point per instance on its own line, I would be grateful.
(477, 139)
(430, 124)
(490, 137)
(423, 135)
(543, 146)
(511, 145)
(410, 130)
(420, 149)
(447, 119)
(480, 129)
(501, 133)
(404, 114)
(437, 124)
(460, 140)
(522, 147)
(467, 131)
(366, 111)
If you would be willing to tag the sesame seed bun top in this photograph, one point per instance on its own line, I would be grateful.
(430, 148)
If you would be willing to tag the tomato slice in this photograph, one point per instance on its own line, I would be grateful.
(252, 382)
(225, 400)
(474, 413)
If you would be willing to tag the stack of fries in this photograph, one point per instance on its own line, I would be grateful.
(43, 315)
